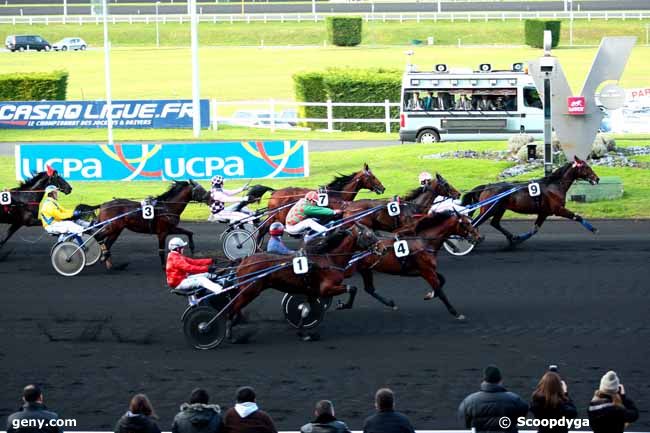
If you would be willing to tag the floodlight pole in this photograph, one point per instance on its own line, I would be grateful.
(196, 106)
(548, 135)
(107, 76)
(157, 27)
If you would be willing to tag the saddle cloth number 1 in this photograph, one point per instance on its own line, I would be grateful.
(147, 211)
(534, 190)
(401, 248)
(5, 197)
(300, 265)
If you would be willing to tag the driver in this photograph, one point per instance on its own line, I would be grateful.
(276, 245)
(56, 219)
(220, 196)
(425, 178)
(186, 273)
(300, 216)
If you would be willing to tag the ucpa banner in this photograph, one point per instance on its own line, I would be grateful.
(93, 114)
(234, 160)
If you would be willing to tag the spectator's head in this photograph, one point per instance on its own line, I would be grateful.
(140, 405)
(549, 390)
(492, 374)
(245, 394)
(199, 396)
(384, 399)
(610, 383)
(32, 394)
(324, 407)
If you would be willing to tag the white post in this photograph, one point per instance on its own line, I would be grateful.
(330, 121)
(387, 115)
(196, 106)
(65, 8)
(313, 7)
(647, 34)
(570, 23)
(272, 112)
(439, 6)
(157, 27)
(565, 5)
(107, 77)
(215, 115)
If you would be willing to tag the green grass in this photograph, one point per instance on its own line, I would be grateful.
(477, 31)
(230, 73)
(396, 167)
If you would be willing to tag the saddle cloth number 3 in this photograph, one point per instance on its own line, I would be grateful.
(534, 190)
(147, 212)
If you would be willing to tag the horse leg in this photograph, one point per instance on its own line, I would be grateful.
(305, 310)
(369, 287)
(247, 295)
(262, 230)
(162, 237)
(436, 281)
(13, 228)
(566, 213)
(327, 290)
(496, 223)
(107, 242)
(525, 236)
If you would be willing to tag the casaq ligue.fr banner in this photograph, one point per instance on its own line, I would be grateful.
(93, 114)
(174, 161)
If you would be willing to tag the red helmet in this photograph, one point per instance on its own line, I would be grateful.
(312, 196)
(276, 229)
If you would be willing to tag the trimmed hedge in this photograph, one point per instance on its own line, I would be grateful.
(350, 85)
(34, 86)
(534, 32)
(344, 31)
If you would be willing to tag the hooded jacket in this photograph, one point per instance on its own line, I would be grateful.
(247, 418)
(136, 423)
(566, 409)
(197, 418)
(483, 409)
(325, 423)
(33, 411)
(606, 417)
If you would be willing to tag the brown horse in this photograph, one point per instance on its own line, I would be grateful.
(168, 208)
(550, 201)
(424, 238)
(343, 188)
(25, 200)
(416, 203)
(327, 256)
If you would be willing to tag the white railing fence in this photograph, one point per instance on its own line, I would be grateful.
(306, 17)
(273, 120)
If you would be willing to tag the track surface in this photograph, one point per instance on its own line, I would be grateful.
(565, 297)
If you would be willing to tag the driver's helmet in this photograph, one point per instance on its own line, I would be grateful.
(217, 181)
(176, 243)
(276, 229)
(51, 188)
(425, 176)
(312, 196)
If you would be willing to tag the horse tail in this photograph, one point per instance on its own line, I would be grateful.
(87, 212)
(256, 192)
(472, 196)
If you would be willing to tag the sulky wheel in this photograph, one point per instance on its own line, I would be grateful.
(202, 334)
(238, 244)
(68, 259)
(458, 246)
(92, 250)
(293, 307)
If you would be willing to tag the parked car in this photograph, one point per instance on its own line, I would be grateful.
(290, 116)
(27, 42)
(66, 44)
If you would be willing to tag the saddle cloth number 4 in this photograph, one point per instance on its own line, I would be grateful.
(5, 197)
(534, 189)
(401, 248)
(300, 265)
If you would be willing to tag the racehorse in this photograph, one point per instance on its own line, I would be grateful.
(25, 200)
(424, 238)
(327, 256)
(168, 208)
(415, 203)
(550, 201)
(343, 188)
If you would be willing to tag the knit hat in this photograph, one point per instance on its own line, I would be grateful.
(609, 383)
(492, 374)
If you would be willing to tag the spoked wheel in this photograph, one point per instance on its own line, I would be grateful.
(91, 249)
(197, 331)
(458, 246)
(68, 259)
(238, 244)
(293, 307)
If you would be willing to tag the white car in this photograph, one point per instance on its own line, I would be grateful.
(66, 44)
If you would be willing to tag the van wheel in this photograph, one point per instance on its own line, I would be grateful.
(47, 48)
(83, 48)
(428, 136)
(21, 49)
(64, 48)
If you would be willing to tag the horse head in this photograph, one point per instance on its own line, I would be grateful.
(583, 171)
(444, 188)
(465, 228)
(365, 236)
(368, 180)
(199, 193)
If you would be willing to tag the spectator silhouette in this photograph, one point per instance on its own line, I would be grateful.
(246, 417)
(484, 409)
(550, 400)
(325, 421)
(611, 410)
(197, 416)
(387, 420)
(140, 418)
(34, 411)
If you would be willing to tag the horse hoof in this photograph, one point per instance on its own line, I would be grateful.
(461, 317)
(309, 337)
(395, 308)
(429, 296)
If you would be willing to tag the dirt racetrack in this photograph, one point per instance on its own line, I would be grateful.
(565, 297)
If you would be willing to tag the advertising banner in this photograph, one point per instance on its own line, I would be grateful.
(633, 117)
(92, 114)
(174, 161)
